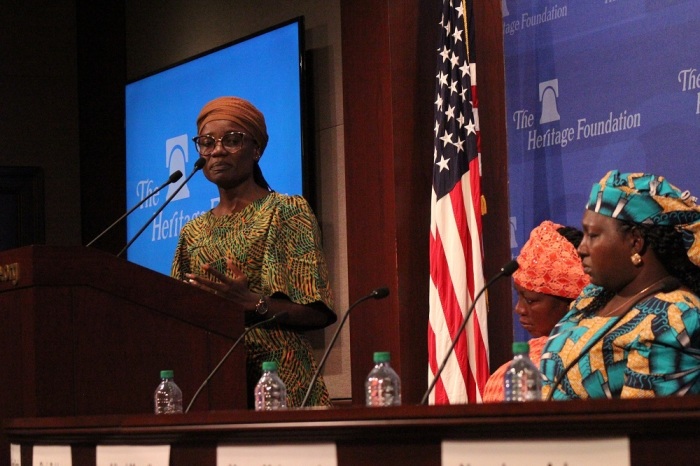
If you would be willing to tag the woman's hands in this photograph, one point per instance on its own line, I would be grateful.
(233, 287)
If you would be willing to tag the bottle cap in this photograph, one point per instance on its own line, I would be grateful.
(268, 366)
(382, 356)
(521, 347)
(166, 374)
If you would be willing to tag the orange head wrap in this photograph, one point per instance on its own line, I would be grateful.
(241, 112)
(549, 264)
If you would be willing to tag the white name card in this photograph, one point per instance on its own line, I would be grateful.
(314, 454)
(15, 455)
(571, 452)
(133, 455)
(51, 455)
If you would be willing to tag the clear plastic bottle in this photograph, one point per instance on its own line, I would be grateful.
(168, 396)
(270, 392)
(522, 380)
(383, 386)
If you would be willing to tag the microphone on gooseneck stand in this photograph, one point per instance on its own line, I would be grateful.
(172, 179)
(666, 285)
(280, 316)
(197, 166)
(377, 293)
(506, 271)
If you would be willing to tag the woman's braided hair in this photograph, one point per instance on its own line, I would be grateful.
(667, 243)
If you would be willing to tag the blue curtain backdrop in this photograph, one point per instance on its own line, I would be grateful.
(596, 85)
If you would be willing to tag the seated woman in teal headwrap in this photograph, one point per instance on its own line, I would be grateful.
(634, 332)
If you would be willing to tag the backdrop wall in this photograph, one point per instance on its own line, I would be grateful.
(594, 86)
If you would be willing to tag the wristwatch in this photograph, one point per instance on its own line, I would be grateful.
(263, 305)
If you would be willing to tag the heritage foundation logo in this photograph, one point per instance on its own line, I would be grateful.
(176, 158)
(689, 80)
(549, 91)
(544, 135)
(529, 19)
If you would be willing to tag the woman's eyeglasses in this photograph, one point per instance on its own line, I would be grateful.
(231, 142)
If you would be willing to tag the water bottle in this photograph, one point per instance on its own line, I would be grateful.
(168, 396)
(383, 386)
(270, 392)
(522, 381)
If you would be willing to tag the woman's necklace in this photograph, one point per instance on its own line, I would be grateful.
(636, 296)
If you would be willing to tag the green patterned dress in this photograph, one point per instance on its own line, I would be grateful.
(275, 241)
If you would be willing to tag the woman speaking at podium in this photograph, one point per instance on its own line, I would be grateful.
(258, 248)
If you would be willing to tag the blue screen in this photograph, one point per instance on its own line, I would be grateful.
(161, 110)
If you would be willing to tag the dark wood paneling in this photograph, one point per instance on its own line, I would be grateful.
(379, 452)
(413, 81)
(101, 50)
(370, 181)
(21, 206)
(388, 84)
(492, 121)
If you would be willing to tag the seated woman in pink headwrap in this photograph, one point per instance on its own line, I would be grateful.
(258, 248)
(550, 276)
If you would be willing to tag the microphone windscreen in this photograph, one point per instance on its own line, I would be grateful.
(380, 293)
(200, 163)
(175, 176)
(510, 268)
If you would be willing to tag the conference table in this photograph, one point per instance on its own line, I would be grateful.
(658, 431)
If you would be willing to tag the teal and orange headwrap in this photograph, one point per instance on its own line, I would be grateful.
(649, 199)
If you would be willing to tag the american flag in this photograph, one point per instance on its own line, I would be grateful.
(455, 226)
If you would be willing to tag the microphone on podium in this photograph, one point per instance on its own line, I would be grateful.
(175, 176)
(377, 293)
(280, 316)
(197, 166)
(506, 271)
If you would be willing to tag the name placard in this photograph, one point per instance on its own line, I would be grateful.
(133, 455)
(15, 455)
(315, 454)
(51, 455)
(9, 273)
(589, 452)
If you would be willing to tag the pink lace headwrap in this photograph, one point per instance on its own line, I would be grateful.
(549, 264)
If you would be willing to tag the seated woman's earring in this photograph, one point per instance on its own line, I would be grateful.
(636, 258)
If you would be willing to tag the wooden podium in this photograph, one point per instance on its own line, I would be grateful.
(86, 333)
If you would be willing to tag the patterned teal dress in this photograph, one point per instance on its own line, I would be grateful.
(275, 241)
(653, 350)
